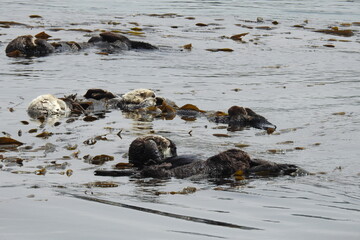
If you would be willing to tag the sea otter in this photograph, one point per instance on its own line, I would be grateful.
(223, 165)
(150, 150)
(155, 156)
(47, 105)
(29, 46)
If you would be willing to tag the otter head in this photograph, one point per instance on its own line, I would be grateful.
(28, 46)
(238, 118)
(151, 150)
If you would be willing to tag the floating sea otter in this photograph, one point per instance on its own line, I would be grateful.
(29, 46)
(155, 156)
(142, 103)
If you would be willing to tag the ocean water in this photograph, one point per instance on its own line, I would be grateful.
(305, 82)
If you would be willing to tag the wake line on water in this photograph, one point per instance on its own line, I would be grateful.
(161, 213)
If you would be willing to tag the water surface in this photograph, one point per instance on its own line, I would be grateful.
(310, 91)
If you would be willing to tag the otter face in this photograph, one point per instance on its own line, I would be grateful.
(28, 46)
(46, 105)
(138, 95)
(240, 117)
(150, 150)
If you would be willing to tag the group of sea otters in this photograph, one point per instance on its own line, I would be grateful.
(152, 155)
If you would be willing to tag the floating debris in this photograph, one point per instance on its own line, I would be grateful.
(101, 184)
(339, 113)
(264, 28)
(276, 151)
(270, 130)
(71, 147)
(238, 37)
(188, 46)
(33, 130)
(337, 32)
(201, 25)
(186, 190)
(70, 120)
(103, 53)
(25, 122)
(42, 35)
(286, 142)
(35, 16)
(221, 135)
(299, 148)
(98, 159)
(241, 145)
(137, 29)
(44, 135)
(123, 166)
(219, 50)
(90, 141)
(80, 30)
(9, 141)
(41, 171)
(69, 172)
(90, 118)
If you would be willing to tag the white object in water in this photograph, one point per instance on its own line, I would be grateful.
(46, 105)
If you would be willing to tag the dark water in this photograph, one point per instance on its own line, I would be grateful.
(310, 91)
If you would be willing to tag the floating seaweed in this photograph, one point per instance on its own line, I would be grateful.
(192, 108)
(90, 118)
(69, 172)
(219, 50)
(238, 37)
(80, 30)
(339, 113)
(35, 16)
(337, 32)
(264, 28)
(286, 142)
(9, 141)
(33, 130)
(98, 159)
(184, 191)
(188, 46)
(44, 135)
(221, 135)
(242, 145)
(101, 184)
(123, 165)
(42, 35)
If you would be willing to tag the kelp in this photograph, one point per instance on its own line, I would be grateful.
(9, 141)
(44, 135)
(43, 35)
(337, 32)
(184, 191)
(98, 159)
(101, 184)
(187, 46)
(238, 37)
(219, 50)
(191, 107)
(35, 16)
(221, 135)
(201, 24)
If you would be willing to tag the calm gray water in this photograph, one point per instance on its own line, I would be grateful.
(310, 91)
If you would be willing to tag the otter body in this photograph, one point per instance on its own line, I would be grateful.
(29, 46)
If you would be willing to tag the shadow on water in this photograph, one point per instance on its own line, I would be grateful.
(166, 214)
